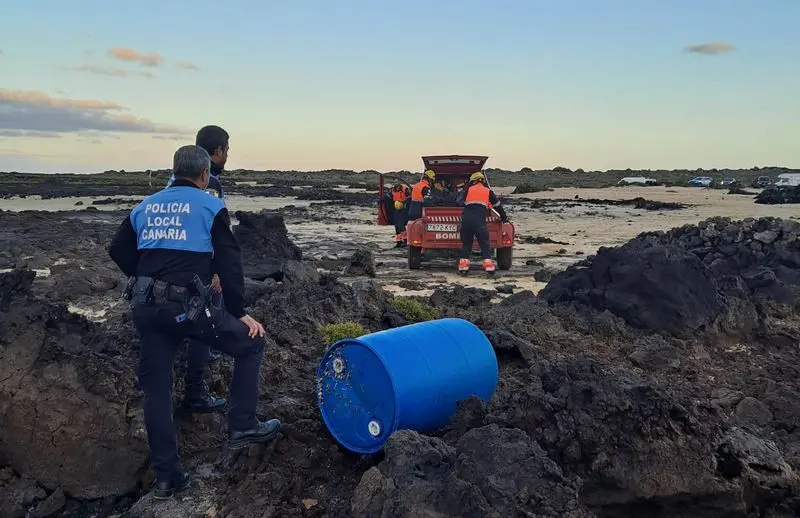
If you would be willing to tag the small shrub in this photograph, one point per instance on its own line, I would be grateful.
(414, 310)
(335, 332)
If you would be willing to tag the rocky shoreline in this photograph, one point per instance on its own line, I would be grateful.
(658, 378)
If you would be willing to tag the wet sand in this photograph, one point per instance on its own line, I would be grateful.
(335, 231)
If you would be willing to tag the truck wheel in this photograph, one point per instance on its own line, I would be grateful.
(504, 256)
(414, 257)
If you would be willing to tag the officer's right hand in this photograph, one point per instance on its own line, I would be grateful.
(253, 327)
(216, 287)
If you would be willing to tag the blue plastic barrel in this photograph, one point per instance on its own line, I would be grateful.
(408, 378)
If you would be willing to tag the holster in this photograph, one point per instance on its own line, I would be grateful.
(194, 307)
(198, 303)
(216, 306)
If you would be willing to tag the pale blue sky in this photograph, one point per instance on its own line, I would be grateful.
(313, 84)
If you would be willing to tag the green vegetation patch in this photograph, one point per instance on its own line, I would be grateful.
(413, 310)
(335, 332)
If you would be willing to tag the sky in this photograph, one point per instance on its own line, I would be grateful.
(92, 85)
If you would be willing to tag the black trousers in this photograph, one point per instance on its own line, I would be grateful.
(415, 210)
(197, 356)
(473, 225)
(162, 333)
(400, 220)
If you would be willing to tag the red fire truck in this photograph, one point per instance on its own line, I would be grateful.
(440, 225)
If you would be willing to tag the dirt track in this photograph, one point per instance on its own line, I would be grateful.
(657, 379)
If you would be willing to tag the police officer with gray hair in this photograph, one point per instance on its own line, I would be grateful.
(170, 246)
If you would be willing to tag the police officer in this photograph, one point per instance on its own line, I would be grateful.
(216, 141)
(478, 201)
(168, 239)
(400, 200)
(420, 192)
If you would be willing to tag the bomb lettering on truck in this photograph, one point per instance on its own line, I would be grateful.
(446, 235)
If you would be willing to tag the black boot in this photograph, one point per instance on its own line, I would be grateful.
(262, 432)
(165, 490)
(206, 405)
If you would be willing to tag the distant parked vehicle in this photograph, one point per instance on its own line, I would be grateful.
(762, 182)
(788, 180)
(701, 181)
(729, 182)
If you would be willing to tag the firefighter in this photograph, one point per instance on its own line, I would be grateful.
(440, 194)
(420, 192)
(400, 196)
(477, 203)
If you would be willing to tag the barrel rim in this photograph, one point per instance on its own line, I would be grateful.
(346, 443)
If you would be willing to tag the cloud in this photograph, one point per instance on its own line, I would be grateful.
(713, 48)
(14, 133)
(187, 65)
(95, 135)
(35, 98)
(36, 111)
(169, 137)
(1, 52)
(147, 59)
(113, 72)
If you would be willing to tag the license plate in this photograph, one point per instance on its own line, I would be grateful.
(440, 227)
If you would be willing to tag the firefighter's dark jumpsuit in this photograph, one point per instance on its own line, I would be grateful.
(477, 203)
(170, 237)
(400, 199)
(419, 191)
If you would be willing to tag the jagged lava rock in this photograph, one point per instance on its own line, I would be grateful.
(65, 388)
(362, 262)
(690, 277)
(490, 471)
(649, 284)
(266, 247)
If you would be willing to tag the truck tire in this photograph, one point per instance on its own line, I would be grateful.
(504, 256)
(414, 257)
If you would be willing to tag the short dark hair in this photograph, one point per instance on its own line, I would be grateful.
(212, 137)
(189, 162)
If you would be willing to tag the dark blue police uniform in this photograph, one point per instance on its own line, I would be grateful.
(198, 353)
(170, 237)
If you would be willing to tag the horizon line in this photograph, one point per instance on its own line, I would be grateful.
(524, 170)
